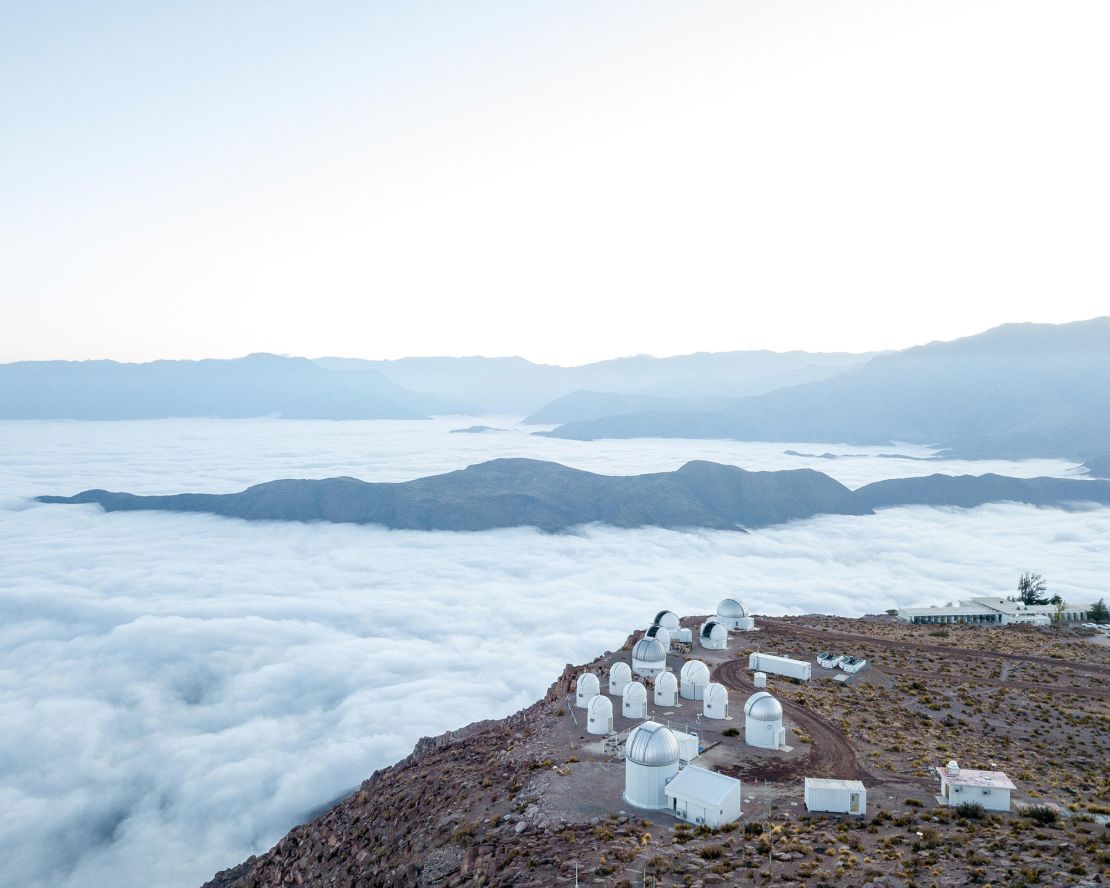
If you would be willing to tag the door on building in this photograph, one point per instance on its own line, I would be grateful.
(853, 803)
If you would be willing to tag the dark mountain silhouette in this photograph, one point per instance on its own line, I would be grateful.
(1020, 390)
(257, 385)
(553, 497)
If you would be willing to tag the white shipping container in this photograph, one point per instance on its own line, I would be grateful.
(835, 796)
(780, 665)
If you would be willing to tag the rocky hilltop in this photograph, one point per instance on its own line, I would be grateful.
(525, 800)
(553, 497)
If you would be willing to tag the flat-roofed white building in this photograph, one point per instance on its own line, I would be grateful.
(835, 796)
(688, 747)
(988, 609)
(704, 797)
(991, 789)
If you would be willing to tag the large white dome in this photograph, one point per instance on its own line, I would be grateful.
(649, 650)
(763, 707)
(731, 608)
(651, 744)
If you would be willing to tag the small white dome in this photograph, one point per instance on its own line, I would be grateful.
(601, 707)
(763, 707)
(620, 671)
(731, 608)
(716, 693)
(651, 744)
(713, 629)
(634, 692)
(667, 619)
(588, 683)
(695, 672)
(666, 681)
(953, 768)
(649, 650)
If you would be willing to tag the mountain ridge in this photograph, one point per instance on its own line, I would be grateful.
(509, 492)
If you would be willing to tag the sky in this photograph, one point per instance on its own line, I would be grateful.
(565, 181)
(178, 690)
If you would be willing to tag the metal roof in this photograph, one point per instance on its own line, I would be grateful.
(761, 706)
(651, 744)
(832, 783)
(731, 608)
(972, 777)
(649, 650)
(698, 784)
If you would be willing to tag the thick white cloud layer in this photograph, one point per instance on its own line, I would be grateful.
(176, 691)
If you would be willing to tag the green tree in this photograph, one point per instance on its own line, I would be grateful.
(1031, 589)
(1099, 612)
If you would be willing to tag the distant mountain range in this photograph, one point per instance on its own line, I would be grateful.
(524, 492)
(518, 387)
(1020, 390)
(412, 388)
(257, 385)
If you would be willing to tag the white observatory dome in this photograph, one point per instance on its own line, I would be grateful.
(667, 619)
(586, 688)
(666, 689)
(652, 745)
(599, 715)
(714, 635)
(730, 608)
(693, 678)
(763, 707)
(715, 701)
(663, 636)
(634, 700)
(620, 674)
(649, 657)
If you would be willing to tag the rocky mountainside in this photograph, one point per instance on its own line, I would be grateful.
(553, 497)
(533, 800)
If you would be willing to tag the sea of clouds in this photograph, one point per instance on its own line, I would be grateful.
(178, 690)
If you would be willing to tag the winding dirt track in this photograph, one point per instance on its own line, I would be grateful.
(830, 754)
(787, 628)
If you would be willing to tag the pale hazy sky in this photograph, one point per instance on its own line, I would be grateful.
(566, 180)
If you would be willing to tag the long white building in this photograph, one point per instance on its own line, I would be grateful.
(1000, 611)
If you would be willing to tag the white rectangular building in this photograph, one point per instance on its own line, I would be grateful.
(700, 796)
(780, 665)
(1000, 611)
(835, 796)
(991, 789)
(687, 746)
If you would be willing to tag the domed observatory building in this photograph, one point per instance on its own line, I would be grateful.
(599, 715)
(663, 636)
(692, 679)
(650, 761)
(731, 612)
(649, 657)
(634, 700)
(586, 689)
(666, 689)
(763, 722)
(715, 701)
(714, 636)
(619, 675)
(667, 619)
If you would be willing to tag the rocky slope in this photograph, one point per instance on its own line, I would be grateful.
(522, 801)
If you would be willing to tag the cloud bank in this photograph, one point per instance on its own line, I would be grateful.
(179, 690)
